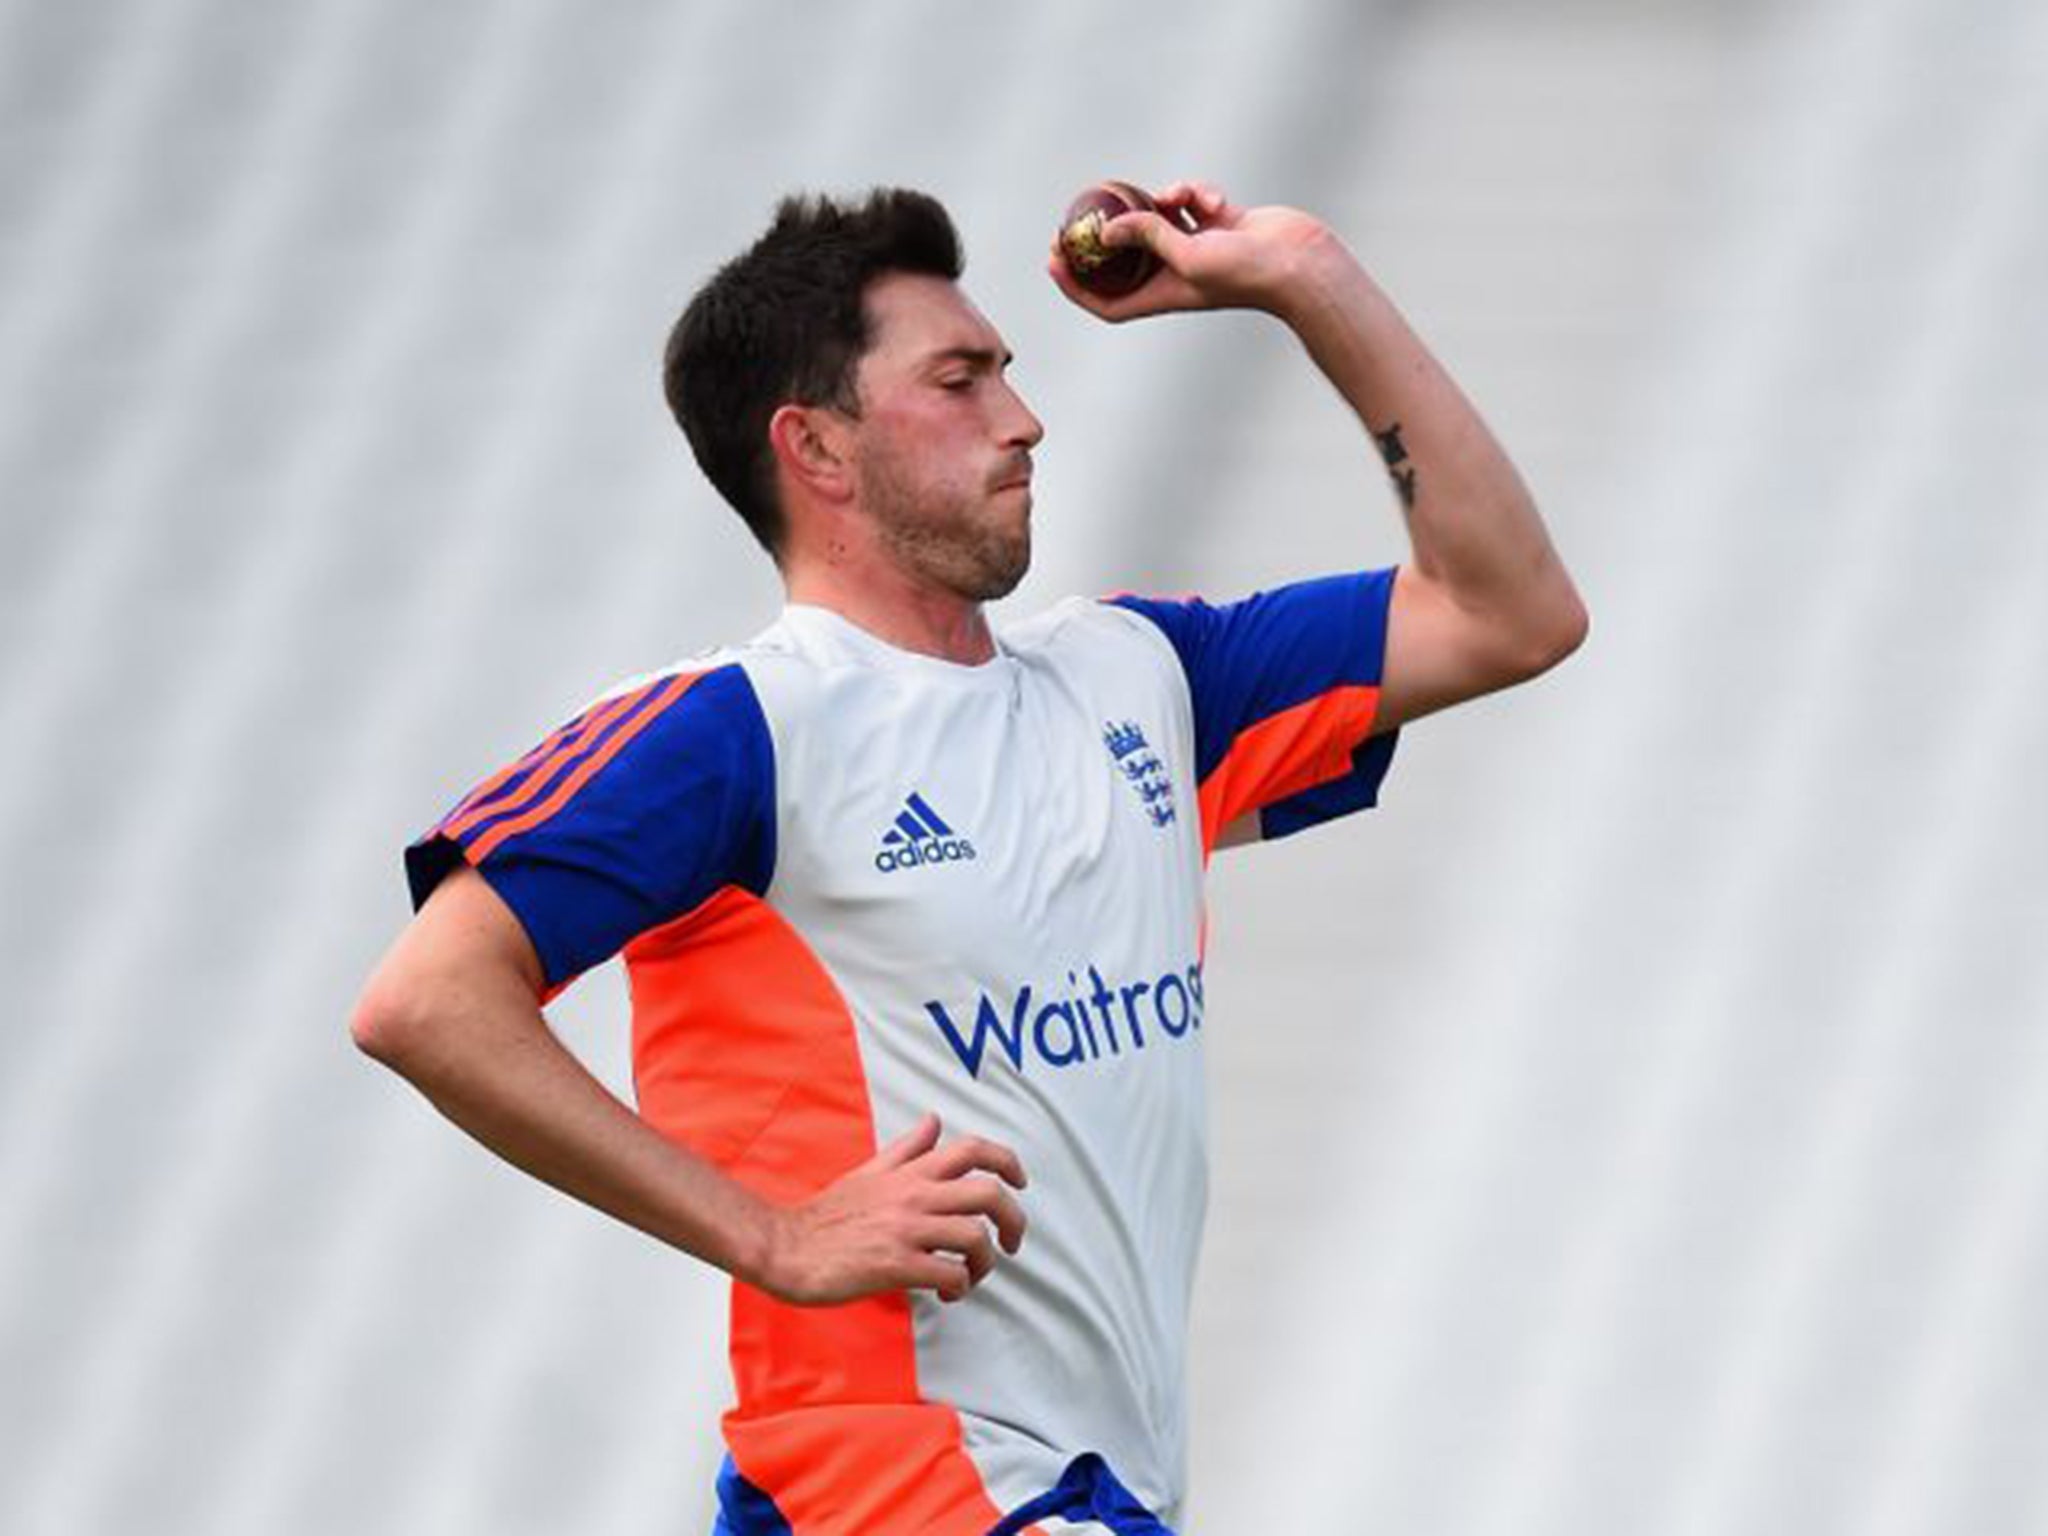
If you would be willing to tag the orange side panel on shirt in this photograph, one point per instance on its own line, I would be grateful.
(744, 1051)
(877, 1470)
(1286, 753)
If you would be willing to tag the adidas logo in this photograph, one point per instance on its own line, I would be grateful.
(919, 836)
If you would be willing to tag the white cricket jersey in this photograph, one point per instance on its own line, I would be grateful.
(852, 885)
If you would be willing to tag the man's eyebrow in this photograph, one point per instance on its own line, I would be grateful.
(979, 357)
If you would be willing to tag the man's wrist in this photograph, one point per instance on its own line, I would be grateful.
(759, 1247)
(1316, 278)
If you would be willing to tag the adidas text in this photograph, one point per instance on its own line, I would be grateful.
(933, 850)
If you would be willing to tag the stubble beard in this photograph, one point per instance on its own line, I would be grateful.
(934, 533)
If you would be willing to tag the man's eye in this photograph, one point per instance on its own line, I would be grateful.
(958, 385)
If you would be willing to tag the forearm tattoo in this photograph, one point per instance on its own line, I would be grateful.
(1399, 465)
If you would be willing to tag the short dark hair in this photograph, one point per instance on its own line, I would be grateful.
(786, 321)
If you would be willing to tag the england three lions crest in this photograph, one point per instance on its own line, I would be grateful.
(1141, 769)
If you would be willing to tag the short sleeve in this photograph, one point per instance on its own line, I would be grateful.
(1285, 686)
(632, 814)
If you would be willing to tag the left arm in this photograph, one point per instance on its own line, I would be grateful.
(1484, 602)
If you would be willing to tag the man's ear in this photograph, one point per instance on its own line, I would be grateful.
(811, 444)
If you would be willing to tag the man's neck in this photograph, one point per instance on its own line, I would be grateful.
(894, 608)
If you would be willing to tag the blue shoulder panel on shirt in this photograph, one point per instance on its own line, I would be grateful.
(680, 805)
(1249, 660)
(1356, 790)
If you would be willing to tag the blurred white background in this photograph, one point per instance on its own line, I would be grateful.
(1638, 1125)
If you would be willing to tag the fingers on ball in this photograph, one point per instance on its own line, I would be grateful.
(1105, 270)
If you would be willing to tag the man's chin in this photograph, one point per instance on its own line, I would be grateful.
(1019, 563)
(983, 568)
(995, 585)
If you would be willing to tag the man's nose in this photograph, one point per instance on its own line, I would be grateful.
(1021, 426)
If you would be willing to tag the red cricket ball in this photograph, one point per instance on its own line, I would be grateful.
(1108, 271)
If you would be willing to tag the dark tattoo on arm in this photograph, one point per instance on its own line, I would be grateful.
(1399, 465)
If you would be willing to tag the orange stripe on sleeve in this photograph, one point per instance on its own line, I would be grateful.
(565, 742)
(665, 694)
(470, 801)
(1286, 753)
